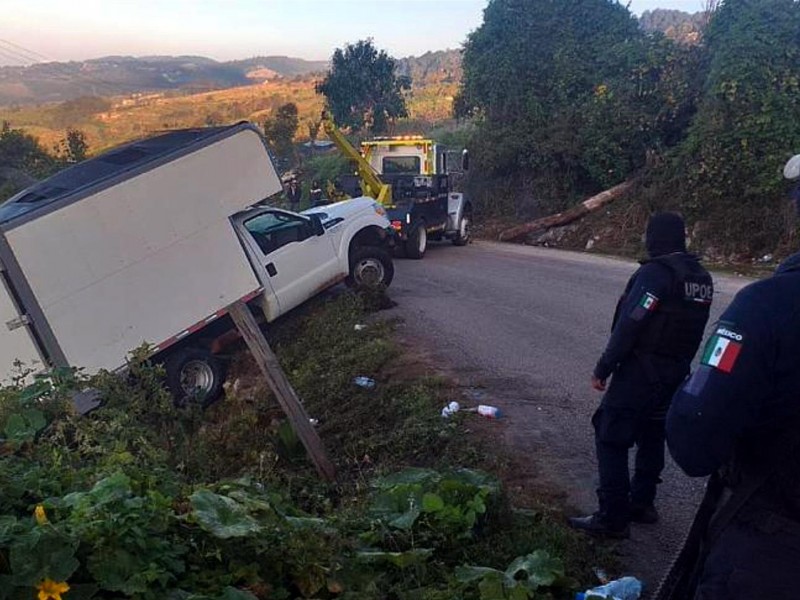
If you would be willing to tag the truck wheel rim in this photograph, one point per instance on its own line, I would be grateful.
(197, 378)
(369, 272)
(464, 229)
(423, 239)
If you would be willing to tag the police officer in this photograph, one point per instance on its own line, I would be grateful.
(740, 410)
(657, 328)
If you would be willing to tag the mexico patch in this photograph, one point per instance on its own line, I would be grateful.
(647, 304)
(722, 350)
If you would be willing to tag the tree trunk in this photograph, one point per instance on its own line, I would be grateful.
(568, 216)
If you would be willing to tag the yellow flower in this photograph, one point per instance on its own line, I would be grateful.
(41, 516)
(52, 590)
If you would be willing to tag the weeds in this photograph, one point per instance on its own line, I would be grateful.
(140, 499)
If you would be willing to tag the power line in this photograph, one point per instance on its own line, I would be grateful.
(36, 56)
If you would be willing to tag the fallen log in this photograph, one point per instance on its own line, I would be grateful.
(568, 216)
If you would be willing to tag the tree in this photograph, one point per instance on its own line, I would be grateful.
(73, 147)
(22, 159)
(362, 89)
(570, 97)
(280, 130)
(746, 127)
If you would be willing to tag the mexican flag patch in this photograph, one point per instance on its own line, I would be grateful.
(649, 302)
(646, 305)
(722, 350)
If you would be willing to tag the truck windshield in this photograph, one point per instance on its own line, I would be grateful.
(395, 165)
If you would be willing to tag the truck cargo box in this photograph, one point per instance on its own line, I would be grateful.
(129, 247)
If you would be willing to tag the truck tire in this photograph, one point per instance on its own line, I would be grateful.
(370, 266)
(417, 242)
(464, 234)
(194, 375)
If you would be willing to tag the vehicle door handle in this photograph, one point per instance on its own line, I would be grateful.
(271, 270)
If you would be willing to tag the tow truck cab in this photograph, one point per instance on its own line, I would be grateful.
(422, 204)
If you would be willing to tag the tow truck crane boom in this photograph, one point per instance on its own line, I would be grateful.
(370, 182)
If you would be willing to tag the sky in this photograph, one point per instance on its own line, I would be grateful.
(47, 30)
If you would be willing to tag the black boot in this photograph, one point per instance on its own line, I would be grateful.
(597, 524)
(644, 513)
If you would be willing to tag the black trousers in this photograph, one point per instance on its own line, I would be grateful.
(632, 413)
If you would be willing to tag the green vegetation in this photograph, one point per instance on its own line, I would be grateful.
(362, 88)
(573, 97)
(140, 499)
(279, 131)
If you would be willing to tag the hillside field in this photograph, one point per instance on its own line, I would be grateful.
(108, 122)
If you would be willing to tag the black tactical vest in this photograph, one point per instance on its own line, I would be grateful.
(676, 328)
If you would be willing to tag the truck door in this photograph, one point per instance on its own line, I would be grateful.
(17, 344)
(295, 260)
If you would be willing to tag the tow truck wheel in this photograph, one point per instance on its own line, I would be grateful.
(417, 242)
(370, 267)
(464, 233)
(194, 375)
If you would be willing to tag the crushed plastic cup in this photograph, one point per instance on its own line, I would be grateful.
(451, 409)
(364, 382)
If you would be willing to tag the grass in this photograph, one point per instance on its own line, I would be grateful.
(114, 121)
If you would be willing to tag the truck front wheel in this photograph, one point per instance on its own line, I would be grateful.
(464, 233)
(370, 267)
(417, 242)
(194, 374)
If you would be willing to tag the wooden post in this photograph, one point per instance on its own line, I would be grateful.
(283, 390)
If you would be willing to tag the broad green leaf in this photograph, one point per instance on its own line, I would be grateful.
(232, 593)
(406, 520)
(398, 559)
(539, 567)
(42, 554)
(432, 502)
(222, 516)
(467, 574)
(491, 587)
(406, 477)
(24, 425)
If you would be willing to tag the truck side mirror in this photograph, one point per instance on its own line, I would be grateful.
(316, 224)
(465, 160)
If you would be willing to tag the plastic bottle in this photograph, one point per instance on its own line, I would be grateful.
(364, 382)
(491, 412)
(627, 588)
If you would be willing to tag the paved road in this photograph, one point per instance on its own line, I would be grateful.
(525, 326)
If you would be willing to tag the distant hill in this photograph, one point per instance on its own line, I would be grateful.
(121, 75)
(680, 26)
(442, 66)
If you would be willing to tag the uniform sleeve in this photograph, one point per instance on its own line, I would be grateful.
(716, 404)
(648, 287)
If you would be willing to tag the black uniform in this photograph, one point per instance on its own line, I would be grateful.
(741, 411)
(658, 326)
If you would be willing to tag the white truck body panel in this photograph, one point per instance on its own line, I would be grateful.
(142, 259)
(16, 343)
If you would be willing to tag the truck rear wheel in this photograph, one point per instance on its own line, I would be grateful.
(417, 242)
(194, 374)
(370, 267)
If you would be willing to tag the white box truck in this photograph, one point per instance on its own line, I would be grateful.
(152, 241)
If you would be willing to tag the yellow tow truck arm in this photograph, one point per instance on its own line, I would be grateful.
(371, 184)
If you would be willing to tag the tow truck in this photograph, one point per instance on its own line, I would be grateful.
(409, 176)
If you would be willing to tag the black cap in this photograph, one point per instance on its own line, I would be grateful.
(666, 233)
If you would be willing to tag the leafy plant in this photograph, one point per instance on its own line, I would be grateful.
(520, 581)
